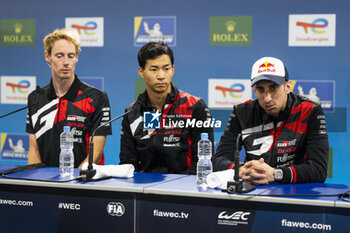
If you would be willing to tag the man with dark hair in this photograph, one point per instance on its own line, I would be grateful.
(160, 133)
(66, 101)
(284, 134)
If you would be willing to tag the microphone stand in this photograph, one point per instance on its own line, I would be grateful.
(86, 175)
(10, 113)
(18, 110)
(238, 185)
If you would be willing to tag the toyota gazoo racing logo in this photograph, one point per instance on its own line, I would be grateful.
(286, 143)
(236, 218)
(267, 67)
(115, 209)
(76, 118)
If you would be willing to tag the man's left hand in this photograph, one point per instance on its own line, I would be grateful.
(257, 172)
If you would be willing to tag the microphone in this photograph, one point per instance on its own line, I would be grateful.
(87, 175)
(238, 185)
(37, 90)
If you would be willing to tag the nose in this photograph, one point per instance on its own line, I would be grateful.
(267, 97)
(161, 74)
(65, 60)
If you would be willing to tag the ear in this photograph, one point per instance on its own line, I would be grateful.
(254, 89)
(173, 70)
(288, 86)
(140, 72)
(47, 58)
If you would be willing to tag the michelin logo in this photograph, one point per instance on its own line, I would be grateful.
(154, 28)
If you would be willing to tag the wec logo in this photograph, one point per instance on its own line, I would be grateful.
(238, 215)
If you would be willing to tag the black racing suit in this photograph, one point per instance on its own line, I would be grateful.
(83, 108)
(296, 142)
(172, 148)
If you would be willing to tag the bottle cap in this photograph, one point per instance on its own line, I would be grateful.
(204, 135)
(66, 128)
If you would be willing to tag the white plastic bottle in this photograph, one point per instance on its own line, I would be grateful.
(66, 155)
(204, 165)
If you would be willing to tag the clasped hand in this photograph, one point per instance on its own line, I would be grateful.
(257, 172)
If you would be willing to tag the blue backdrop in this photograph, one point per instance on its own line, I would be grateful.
(196, 60)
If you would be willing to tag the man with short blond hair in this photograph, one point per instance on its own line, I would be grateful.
(66, 101)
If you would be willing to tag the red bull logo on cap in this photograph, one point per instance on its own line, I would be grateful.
(266, 67)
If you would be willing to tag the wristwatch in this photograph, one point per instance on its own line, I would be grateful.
(278, 174)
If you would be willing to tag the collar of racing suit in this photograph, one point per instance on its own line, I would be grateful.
(283, 114)
(143, 99)
(70, 95)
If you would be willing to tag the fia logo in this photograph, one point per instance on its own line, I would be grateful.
(115, 209)
(151, 120)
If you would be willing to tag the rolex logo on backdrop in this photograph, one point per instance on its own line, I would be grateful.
(18, 32)
(230, 30)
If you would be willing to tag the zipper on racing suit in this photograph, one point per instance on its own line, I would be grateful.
(274, 142)
(58, 110)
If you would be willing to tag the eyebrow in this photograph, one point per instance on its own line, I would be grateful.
(64, 53)
(154, 66)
